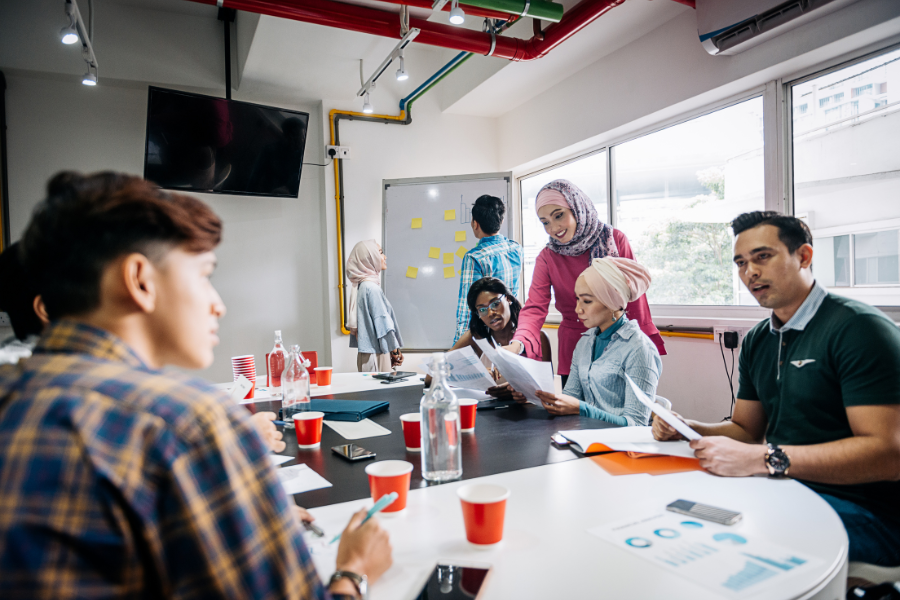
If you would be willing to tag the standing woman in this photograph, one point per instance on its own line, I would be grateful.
(577, 236)
(373, 327)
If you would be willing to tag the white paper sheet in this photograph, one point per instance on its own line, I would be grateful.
(524, 375)
(357, 430)
(466, 370)
(280, 459)
(628, 439)
(297, 479)
(462, 392)
(729, 560)
(664, 413)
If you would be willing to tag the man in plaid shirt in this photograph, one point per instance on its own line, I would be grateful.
(494, 256)
(123, 480)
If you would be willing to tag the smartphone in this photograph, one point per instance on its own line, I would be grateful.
(706, 512)
(560, 440)
(454, 582)
(352, 452)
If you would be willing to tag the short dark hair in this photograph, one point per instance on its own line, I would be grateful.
(17, 294)
(488, 211)
(490, 284)
(792, 232)
(88, 221)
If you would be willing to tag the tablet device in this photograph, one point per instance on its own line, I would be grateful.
(394, 376)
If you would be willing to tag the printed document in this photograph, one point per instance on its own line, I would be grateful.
(523, 374)
(628, 439)
(466, 370)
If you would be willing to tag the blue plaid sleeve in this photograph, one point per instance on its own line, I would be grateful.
(469, 273)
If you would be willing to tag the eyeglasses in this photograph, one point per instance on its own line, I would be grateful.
(493, 306)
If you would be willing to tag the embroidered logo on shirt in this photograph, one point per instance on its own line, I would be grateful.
(801, 363)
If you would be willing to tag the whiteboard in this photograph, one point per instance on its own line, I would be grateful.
(424, 290)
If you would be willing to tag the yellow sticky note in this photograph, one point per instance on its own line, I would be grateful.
(412, 272)
(461, 252)
(434, 252)
(457, 272)
(449, 272)
(460, 236)
(417, 223)
(449, 215)
(448, 258)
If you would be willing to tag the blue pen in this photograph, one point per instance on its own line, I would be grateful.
(385, 501)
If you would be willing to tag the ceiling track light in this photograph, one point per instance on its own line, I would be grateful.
(367, 108)
(75, 32)
(68, 35)
(457, 16)
(90, 78)
(402, 75)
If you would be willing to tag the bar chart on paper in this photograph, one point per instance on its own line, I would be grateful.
(711, 555)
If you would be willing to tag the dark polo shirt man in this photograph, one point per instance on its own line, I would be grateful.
(819, 391)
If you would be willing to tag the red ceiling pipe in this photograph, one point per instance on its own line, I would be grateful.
(378, 22)
(691, 3)
(475, 11)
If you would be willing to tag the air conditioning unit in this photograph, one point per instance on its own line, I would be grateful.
(732, 26)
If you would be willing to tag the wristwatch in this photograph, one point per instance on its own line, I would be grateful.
(360, 581)
(777, 461)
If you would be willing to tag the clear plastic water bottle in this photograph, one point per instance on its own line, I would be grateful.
(441, 454)
(295, 386)
(276, 366)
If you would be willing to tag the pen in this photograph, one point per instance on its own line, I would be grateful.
(277, 422)
(385, 501)
(317, 531)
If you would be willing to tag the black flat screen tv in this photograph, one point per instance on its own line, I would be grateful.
(204, 144)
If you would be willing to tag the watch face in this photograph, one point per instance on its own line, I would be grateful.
(778, 460)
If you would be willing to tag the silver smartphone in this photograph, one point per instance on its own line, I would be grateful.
(706, 512)
(352, 452)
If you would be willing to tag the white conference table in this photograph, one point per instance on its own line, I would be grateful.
(548, 553)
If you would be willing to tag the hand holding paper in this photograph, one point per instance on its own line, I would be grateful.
(524, 375)
(664, 413)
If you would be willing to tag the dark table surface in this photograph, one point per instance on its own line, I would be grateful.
(504, 440)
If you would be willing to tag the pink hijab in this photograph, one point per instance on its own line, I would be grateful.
(616, 281)
(364, 264)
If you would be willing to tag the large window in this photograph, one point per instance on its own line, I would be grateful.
(846, 175)
(678, 189)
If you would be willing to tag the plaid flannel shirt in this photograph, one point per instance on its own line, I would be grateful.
(119, 481)
(494, 256)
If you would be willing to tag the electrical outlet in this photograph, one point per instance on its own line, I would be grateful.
(342, 152)
(741, 331)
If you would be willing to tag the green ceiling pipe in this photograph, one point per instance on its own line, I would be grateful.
(537, 9)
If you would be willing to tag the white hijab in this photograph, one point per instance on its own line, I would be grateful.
(364, 264)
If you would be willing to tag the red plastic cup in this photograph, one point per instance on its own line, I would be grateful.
(483, 508)
(323, 377)
(388, 476)
(467, 412)
(252, 392)
(308, 426)
(412, 431)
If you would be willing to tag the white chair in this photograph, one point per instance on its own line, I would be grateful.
(873, 573)
(665, 402)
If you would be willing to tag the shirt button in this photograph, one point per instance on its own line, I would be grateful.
(784, 343)
(781, 363)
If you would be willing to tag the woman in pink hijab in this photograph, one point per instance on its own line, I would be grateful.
(373, 327)
(613, 346)
(577, 236)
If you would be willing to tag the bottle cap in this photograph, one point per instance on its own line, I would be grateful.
(278, 332)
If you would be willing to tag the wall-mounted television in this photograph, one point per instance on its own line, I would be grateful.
(204, 144)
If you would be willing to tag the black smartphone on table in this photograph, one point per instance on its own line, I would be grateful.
(352, 452)
(454, 582)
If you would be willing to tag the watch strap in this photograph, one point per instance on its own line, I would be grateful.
(359, 581)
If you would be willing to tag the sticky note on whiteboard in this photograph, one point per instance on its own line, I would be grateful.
(417, 223)
(461, 252)
(449, 215)
(460, 236)
(412, 272)
(448, 258)
(434, 252)
(449, 272)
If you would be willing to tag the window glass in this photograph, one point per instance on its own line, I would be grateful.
(588, 173)
(678, 189)
(846, 172)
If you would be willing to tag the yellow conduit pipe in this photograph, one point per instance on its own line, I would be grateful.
(337, 200)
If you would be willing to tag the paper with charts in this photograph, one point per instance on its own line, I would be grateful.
(725, 559)
(466, 370)
(523, 374)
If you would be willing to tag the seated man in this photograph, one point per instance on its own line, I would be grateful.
(121, 480)
(819, 395)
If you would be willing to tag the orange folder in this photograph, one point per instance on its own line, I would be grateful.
(620, 463)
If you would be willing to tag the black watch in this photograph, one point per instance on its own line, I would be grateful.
(777, 461)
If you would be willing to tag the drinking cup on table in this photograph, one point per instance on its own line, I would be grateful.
(412, 431)
(308, 426)
(483, 508)
(388, 476)
(323, 376)
(467, 412)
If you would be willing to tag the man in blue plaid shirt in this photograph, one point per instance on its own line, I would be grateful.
(494, 256)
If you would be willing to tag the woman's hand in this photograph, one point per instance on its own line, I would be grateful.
(396, 358)
(515, 347)
(664, 432)
(505, 392)
(354, 332)
(559, 404)
(267, 431)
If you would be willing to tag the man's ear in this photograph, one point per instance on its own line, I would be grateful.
(475, 226)
(40, 310)
(805, 254)
(139, 279)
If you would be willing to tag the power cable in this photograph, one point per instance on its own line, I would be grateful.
(729, 375)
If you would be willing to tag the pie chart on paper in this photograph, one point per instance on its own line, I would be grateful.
(730, 538)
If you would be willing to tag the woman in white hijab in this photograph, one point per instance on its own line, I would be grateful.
(373, 327)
